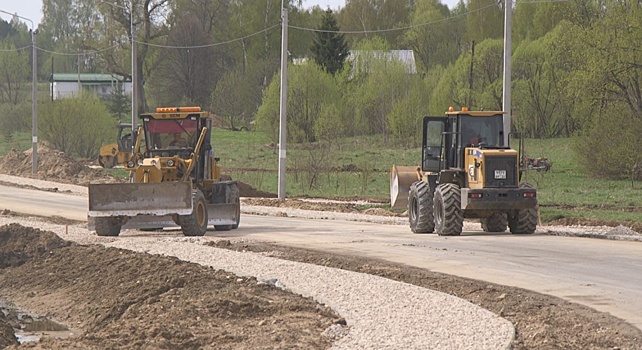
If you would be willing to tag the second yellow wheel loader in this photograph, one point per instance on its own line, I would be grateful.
(466, 171)
(174, 180)
(120, 152)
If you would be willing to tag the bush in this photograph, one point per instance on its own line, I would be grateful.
(77, 126)
(610, 148)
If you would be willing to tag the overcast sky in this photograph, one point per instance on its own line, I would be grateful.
(32, 9)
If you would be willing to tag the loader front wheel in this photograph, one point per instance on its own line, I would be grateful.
(524, 221)
(420, 208)
(107, 227)
(495, 223)
(449, 218)
(195, 224)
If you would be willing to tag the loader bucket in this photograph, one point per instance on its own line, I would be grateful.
(401, 178)
(131, 199)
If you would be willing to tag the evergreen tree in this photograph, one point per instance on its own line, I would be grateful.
(329, 48)
(118, 103)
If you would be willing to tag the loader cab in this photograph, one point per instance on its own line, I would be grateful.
(124, 138)
(174, 132)
(445, 139)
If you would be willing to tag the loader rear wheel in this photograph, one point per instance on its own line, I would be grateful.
(525, 220)
(420, 208)
(449, 218)
(107, 162)
(495, 223)
(195, 224)
(107, 227)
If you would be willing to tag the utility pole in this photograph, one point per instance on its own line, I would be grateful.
(132, 31)
(284, 99)
(508, 9)
(34, 94)
(34, 103)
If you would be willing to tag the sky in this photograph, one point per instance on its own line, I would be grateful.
(32, 9)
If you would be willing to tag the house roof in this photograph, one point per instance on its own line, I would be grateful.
(87, 78)
(406, 57)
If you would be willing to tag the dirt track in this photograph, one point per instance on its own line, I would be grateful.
(120, 299)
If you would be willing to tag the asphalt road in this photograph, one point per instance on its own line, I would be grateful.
(602, 274)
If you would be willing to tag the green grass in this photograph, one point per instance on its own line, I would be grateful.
(20, 141)
(563, 192)
(566, 192)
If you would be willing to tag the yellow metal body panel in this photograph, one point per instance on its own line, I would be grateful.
(177, 115)
(474, 163)
(476, 113)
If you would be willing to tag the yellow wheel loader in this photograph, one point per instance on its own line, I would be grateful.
(174, 180)
(466, 172)
(120, 152)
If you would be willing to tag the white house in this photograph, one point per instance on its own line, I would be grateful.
(69, 84)
(359, 59)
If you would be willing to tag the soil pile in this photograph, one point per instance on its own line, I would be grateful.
(19, 244)
(246, 190)
(53, 166)
(126, 300)
(342, 207)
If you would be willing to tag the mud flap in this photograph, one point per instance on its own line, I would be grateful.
(132, 199)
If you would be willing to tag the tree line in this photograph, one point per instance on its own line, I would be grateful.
(576, 65)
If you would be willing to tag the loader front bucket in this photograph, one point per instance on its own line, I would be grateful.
(401, 178)
(131, 199)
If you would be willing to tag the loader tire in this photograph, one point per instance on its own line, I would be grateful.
(107, 227)
(420, 208)
(107, 162)
(525, 220)
(495, 223)
(449, 218)
(195, 224)
(237, 202)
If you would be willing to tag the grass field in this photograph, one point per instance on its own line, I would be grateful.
(360, 167)
(563, 192)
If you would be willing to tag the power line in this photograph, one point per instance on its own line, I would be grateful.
(78, 53)
(289, 26)
(396, 29)
(208, 45)
(18, 49)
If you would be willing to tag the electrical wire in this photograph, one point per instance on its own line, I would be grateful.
(18, 49)
(208, 45)
(289, 26)
(77, 53)
(394, 29)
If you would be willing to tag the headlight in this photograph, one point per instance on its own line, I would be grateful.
(140, 161)
(130, 164)
(170, 162)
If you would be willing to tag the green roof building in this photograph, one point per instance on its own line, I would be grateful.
(69, 84)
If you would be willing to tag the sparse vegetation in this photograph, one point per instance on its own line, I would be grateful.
(360, 166)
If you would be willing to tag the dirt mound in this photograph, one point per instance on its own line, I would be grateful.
(635, 226)
(127, 300)
(342, 207)
(53, 166)
(246, 190)
(18, 244)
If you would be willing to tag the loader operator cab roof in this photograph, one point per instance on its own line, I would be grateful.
(172, 129)
(479, 128)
